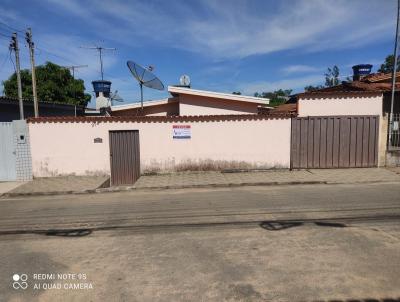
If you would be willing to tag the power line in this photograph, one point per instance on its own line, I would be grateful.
(4, 61)
(15, 69)
(55, 55)
(11, 28)
(6, 36)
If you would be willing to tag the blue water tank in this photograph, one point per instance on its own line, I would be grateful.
(361, 70)
(102, 86)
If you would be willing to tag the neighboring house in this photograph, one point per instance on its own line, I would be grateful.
(189, 102)
(366, 95)
(9, 109)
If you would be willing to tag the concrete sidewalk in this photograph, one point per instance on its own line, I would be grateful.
(59, 185)
(97, 184)
(8, 186)
(272, 177)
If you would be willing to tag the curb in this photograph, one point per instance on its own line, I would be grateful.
(175, 187)
(159, 188)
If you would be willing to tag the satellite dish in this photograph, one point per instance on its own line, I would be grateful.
(184, 80)
(145, 78)
(114, 97)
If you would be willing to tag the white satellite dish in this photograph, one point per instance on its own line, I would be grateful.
(184, 80)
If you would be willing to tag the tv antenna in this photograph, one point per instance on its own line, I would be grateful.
(145, 78)
(100, 49)
(73, 67)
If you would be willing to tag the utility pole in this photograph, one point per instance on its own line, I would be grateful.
(391, 122)
(72, 68)
(100, 49)
(14, 46)
(28, 37)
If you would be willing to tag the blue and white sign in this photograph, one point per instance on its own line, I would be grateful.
(181, 132)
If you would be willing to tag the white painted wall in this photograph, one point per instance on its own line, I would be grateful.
(67, 148)
(339, 105)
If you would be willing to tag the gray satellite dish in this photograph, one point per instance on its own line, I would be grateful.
(184, 80)
(114, 97)
(145, 78)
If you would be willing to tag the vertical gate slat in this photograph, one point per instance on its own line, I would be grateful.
(371, 142)
(360, 133)
(323, 136)
(365, 142)
(293, 143)
(329, 142)
(316, 140)
(137, 163)
(303, 142)
(377, 120)
(344, 142)
(310, 142)
(353, 142)
(296, 142)
(336, 142)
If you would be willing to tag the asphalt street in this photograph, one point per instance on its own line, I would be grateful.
(199, 207)
(286, 243)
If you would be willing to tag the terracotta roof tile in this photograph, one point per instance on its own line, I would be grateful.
(379, 77)
(355, 87)
(285, 108)
(157, 119)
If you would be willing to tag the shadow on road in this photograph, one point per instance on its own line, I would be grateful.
(279, 225)
(69, 233)
(283, 225)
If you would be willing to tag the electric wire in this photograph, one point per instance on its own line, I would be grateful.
(4, 61)
(11, 28)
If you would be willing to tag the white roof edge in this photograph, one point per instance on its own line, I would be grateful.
(146, 103)
(218, 95)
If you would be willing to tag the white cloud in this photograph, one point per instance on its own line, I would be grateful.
(298, 69)
(228, 29)
(297, 84)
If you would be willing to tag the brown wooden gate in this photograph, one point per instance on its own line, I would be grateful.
(334, 142)
(124, 157)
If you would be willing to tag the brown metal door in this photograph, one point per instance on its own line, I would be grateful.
(334, 142)
(124, 157)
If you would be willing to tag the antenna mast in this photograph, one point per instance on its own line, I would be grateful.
(100, 49)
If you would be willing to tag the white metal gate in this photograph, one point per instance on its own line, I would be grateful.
(7, 153)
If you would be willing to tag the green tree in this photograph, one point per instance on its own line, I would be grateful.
(54, 84)
(237, 93)
(277, 97)
(387, 66)
(313, 88)
(332, 76)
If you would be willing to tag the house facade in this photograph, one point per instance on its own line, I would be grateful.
(188, 102)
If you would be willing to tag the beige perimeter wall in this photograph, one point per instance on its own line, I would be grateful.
(68, 148)
(339, 105)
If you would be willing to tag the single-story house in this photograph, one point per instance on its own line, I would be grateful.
(187, 102)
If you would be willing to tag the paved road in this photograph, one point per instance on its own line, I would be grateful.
(199, 207)
(297, 243)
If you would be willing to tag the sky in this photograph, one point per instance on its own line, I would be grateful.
(225, 45)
